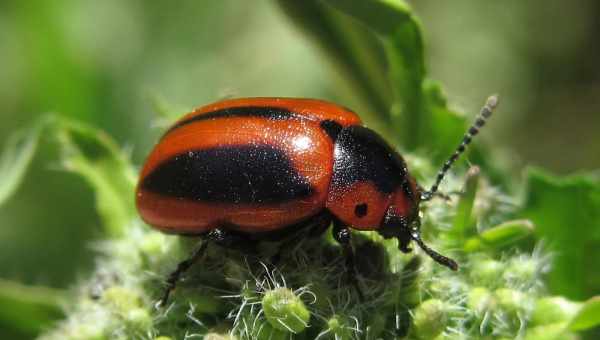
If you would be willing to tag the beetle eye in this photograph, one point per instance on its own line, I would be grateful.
(361, 210)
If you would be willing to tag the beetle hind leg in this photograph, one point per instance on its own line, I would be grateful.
(218, 236)
(182, 267)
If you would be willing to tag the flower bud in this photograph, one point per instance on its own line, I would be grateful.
(122, 299)
(285, 311)
(480, 300)
(218, 336)
(486, 272)
(511, 301)
(339, 327)
(430, 319)
(522, 270)
(139, 319)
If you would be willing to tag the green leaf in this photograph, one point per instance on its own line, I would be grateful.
(554, 309)
(16, 157)
(400, 35)
(499, 236)
(463, 221)
(29, 309)
(588, 316)
(97, 158)
(86, 151)
(554, 331)
(351, 48)
(419, 109)
(396, 84)
(443, 128)
(566, 212)
(383, 16)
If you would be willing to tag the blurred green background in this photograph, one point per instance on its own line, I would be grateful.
(109, 62)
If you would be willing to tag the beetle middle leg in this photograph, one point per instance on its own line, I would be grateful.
(342, 234)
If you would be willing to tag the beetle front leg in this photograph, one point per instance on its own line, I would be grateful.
(342, 234)
(404, 240)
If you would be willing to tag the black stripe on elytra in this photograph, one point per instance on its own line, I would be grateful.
(269, 112)
(232, 174)
(362, 155)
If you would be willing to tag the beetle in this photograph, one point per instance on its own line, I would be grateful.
(251, 169)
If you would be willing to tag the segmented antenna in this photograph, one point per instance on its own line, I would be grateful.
(437, 257)
(484, 114)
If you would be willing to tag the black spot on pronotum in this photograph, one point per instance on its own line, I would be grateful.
(234, 174)
(361, 210)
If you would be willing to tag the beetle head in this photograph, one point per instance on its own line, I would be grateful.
(402, 221)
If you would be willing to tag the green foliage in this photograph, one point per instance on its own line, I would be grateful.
(97, 159)
(414, 105)
(501, 235)
(285, 311)
(496, 294)
(430, 319)
(16, 157)
(84, 150)
(463, 221)
(500, 291)
(588, 316)
(351, 48)
(566, 212)
(401, 39)
(29, 310)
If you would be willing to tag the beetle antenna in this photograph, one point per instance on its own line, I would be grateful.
(484, 114)
(437, 257)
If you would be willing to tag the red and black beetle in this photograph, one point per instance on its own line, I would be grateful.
(254, 167)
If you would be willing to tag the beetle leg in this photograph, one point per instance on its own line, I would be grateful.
(182, 267)
(446, 196)
(215, 235)
(341, 233)
(404, 240)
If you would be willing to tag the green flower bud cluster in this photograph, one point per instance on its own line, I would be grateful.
(302, 289)
(304, 292)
